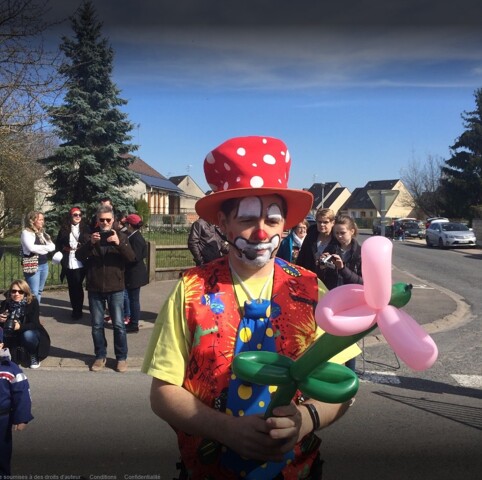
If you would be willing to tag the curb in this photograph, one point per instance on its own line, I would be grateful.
(460, 316)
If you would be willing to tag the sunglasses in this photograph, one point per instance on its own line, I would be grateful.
(76, 214)
(14, 290)
(105, 220)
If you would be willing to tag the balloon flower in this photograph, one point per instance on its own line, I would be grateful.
(347, 314)
(350, 309)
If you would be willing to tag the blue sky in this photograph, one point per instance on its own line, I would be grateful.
(356, 90)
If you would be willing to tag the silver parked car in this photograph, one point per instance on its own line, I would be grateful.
(449, 234)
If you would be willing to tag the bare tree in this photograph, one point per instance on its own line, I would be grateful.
(28, 76)
(423, 180)
(21, 174)
(28, 81)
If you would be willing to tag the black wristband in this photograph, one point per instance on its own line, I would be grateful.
(315, 418)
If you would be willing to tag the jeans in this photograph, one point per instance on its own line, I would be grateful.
(36, 281)
(115, 302)
(135, 305)
(351, 364)
(127, 307)
(30, 340)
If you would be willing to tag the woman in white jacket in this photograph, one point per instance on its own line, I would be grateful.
(37, 242)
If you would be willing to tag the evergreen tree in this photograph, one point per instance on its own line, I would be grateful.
(91, 161)
(462, 182)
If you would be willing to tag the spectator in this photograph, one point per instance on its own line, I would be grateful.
(317, 240)
(205, 242)
(116, 225)
(224, 307)
(345, 262)
(136, 272)
(73, 232)
(105, 255)
(345, 254)
(15, 406)
(36, 244)
(20, 320)
(291, 244)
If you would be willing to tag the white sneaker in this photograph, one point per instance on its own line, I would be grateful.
(34, 363)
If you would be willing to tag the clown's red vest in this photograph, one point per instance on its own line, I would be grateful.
(213, 316)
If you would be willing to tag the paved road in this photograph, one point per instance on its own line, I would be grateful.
(99, 425)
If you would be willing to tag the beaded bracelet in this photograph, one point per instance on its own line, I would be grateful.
(315, 418)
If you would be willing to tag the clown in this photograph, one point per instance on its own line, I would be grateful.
(246, 301)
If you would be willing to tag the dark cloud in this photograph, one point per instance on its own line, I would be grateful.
(282, 13)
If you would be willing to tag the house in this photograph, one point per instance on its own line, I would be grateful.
(360, 205)
(328, 195)
(162, 196)
(192, 193)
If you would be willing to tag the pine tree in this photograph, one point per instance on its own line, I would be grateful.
(92, 161)
(462, 182)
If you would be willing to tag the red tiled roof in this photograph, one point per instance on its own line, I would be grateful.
(139, 166)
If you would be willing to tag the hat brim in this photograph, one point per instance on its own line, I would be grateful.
(298, 202)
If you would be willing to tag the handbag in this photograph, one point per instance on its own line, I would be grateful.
(30, 263)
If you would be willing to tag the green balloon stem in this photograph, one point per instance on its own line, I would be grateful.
(326, 347)
(283, 396)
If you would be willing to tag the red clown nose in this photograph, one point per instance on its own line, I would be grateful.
(260, 235)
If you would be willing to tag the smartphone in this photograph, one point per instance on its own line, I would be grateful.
(104, 235)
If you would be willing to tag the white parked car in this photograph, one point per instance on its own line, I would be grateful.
(449, 234)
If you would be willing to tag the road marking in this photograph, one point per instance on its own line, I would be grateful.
(470, 381)
(387, 378)
(422, 286)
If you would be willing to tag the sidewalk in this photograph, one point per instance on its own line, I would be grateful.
(72, 346)
(71, 341)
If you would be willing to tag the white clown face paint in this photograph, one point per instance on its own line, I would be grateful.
(255, 229)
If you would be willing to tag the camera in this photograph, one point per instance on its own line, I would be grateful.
(104, 235)
(326, 262)
(9, 325)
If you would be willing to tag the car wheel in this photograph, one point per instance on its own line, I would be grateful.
(440, 243)
(429, 245)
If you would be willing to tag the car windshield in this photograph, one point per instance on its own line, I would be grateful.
(454, 227)
(411, 225)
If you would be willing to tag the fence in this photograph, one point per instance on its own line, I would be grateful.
(163, 262)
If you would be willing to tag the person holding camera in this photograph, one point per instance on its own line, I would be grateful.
(105, 256)
(342, 260)
(317, 240)
(20, 320)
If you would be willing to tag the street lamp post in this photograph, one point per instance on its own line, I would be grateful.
(322, 195)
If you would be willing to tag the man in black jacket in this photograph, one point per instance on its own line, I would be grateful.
(205, 242)
(105, 256)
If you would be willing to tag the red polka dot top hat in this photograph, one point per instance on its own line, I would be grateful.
(251, 166)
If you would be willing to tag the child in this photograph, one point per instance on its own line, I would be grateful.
(15, 405)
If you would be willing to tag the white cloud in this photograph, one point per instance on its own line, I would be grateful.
(299, 59)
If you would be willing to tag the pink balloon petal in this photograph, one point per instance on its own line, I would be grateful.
(376, 253)
(407, 338)
(348, 322)
(343, 311)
